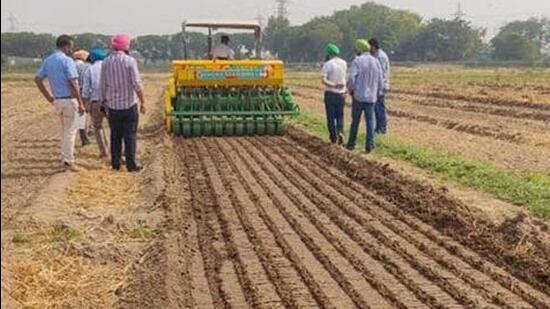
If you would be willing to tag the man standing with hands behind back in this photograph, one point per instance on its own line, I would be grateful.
(120, 83)
(334, 78)
(60, 70)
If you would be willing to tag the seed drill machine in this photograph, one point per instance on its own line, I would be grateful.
(226, 97)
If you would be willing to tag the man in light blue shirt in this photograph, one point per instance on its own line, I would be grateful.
(365, 84)
(380, 106)
(61, 73)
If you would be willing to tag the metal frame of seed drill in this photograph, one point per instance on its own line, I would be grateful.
(227, 97)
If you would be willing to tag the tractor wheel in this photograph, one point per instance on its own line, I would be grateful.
(250, 126)
(260, 126)
(196, 127)
(229, 126)
(239, 126)
(207, 127)
(185, 127)
(218, 126)
(270, 126)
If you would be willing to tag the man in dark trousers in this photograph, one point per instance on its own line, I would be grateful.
(120, 88)
(380, 106)
(334, 78)
(365, 83)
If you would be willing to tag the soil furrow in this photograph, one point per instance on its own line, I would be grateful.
(181, 239)
(343, 274)
(414, 253)
(421, 230)
(292, 289)
(303, 261)
(239, 250)
(230, 195)
(210, 241)
(498, 274)
(424, 283)
(475, 107)
(482, 100)
(457, 126)
(375, 266)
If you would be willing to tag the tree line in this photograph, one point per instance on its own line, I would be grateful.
(403, 34)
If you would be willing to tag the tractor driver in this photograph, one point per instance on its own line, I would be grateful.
(223, 51)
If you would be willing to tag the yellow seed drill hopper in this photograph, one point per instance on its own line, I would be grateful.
(227, 97)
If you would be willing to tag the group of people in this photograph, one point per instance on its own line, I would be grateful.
(368, 82)
(99, 83)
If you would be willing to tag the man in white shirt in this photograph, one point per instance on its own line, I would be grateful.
(380, 106)
(223, 51)
(334, 78)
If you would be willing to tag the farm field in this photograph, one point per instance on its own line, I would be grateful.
(465, 113)
(286, 221)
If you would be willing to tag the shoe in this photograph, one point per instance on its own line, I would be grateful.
(70, 167)
(136, 169)
(84, 138)
(368, 151)
(340, 139)
(350, 148)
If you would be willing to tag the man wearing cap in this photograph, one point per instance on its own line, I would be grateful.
(380, 106)
(365, 84)
(334, 79)
(81, 61)
(91, 93)
(121, 88)
(60, 70)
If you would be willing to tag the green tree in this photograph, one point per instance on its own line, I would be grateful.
(27, 44)
(89, 41)
(153, 47)
(512, 46)
(275, 34)
(523, 40)
(443, 40)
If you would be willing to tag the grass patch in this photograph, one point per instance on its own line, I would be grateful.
(20, 238)
(531, 190)
(142, 231)
(62, 232)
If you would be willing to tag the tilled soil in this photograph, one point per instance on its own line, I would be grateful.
(272, 222)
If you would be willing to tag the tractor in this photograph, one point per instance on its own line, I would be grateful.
(219, 97)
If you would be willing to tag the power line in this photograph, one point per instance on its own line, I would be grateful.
(282, 10)
(12, 20)
(260, 18)
(459, 14)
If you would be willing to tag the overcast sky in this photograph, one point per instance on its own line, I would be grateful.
(165, 16)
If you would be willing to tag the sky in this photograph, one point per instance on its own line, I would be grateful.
(165, 16)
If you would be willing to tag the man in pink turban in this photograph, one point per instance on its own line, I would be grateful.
(121, 88)
(120, 42)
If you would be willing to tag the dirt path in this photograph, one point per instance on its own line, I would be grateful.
(68, 238)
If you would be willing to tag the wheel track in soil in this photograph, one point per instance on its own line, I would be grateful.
(278, 227)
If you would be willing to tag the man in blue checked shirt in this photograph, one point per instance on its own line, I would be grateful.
(60, 71)
(365, 83)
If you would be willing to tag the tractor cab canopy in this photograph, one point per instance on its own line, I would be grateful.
(216, 25)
